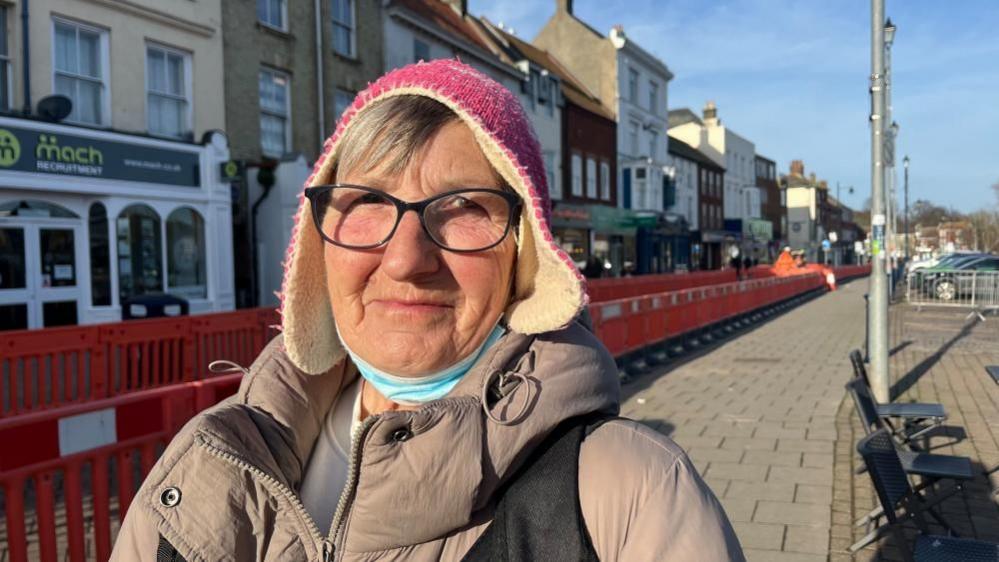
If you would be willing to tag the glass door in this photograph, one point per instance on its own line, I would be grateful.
(58, 293)
(39, 276)
(15, 295)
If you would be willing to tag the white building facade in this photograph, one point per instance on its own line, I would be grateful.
(642, 108)
(685, 180)
(127, 195)
(729, 149)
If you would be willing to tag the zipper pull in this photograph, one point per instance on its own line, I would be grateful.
(327, 550)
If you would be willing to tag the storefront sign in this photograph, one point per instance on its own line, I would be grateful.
(620, 221)
(27, 150)
(230, 171)
(758, 229)
(570, 213)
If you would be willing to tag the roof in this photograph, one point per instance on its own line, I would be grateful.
(572, 88)
(682, 116)
(684, 150)
(444, 17)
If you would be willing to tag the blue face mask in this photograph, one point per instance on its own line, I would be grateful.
(413, 391)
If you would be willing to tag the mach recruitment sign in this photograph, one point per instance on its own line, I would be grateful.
(27, 150)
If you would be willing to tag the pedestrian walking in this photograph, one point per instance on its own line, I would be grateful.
(432, 396)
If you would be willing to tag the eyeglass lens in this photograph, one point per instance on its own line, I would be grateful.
(467, 221)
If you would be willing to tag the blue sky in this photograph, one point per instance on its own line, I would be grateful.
(792, 76)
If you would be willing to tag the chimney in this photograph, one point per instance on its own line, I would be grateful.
(823, 184)
(563, 6)
(710, 113)
(459, 6)
(811, 178)
(798, 168)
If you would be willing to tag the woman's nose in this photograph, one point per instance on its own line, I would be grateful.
(410, 252)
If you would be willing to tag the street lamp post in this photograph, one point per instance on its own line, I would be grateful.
(905, 217)
(878, 320)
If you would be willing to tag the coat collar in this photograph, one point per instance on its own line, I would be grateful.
(446, 473)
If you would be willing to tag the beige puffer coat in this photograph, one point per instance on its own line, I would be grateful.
(225, 489)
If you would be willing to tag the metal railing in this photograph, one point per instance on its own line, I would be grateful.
(976, 290)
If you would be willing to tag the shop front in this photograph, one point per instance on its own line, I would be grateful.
(92, 218)
(713, 248)
(664, 246)
(571, 226)
(757, 236)
(615, 234)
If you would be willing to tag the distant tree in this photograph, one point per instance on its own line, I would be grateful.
(926, 213)
(986, 225)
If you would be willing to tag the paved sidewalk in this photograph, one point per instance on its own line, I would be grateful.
(940, 356)
(757, 415)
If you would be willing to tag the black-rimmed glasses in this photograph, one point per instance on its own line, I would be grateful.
(464, 220)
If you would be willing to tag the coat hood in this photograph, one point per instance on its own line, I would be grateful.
(549, 290)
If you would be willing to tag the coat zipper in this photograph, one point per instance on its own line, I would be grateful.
(326, 545)
(347, 495)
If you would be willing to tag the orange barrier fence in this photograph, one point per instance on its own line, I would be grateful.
(68, 472)
(53, 367)
(627, 325)
(601, 290)
(65, 471)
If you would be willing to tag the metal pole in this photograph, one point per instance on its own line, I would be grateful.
(905, 219)
(878, 321)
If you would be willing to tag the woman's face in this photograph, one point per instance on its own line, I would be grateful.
(409, 307)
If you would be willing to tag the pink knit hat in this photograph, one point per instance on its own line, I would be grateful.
(549, 289)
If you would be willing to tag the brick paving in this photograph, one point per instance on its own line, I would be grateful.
(757, 415)
(940, 357)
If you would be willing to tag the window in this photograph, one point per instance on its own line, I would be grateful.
(653, 95)
(550, 175)
(421, 50)
(577, 175)
(591, 178)
(633, 137)
(167, 100)
(275, 125)
(5, 71)
(605, 191)
(186, 254)
(140, 261)
(100, 256)
(341, 101)
(343, 27)
(79, 70)
(272, 13)
(633, 85)
(652, 144)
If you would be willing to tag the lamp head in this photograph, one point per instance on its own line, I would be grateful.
(889, 32)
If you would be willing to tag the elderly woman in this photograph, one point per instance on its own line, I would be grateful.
(432, 396)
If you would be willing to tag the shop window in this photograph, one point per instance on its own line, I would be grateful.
(100, 256)
(653, 96)
(140, 258)
(5, 69)
(605, 191)
(186, 254)
(577, 175)
(79, 73)
(343, 27)
(275, 122)
(167, 100)
(591, 178)
(35, 209)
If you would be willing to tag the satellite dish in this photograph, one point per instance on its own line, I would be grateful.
(55, 108)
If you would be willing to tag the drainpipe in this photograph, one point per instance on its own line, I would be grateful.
(265, 177)
(25, 58)
(319, 78)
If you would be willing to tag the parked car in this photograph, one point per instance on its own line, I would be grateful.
(940, 260)
(977, 274)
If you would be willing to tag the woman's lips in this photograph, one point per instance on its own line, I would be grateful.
(413, 307)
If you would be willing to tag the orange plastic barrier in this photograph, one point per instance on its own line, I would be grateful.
(602, 290)
(628, 324)
(71, 457)
(54, 367)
